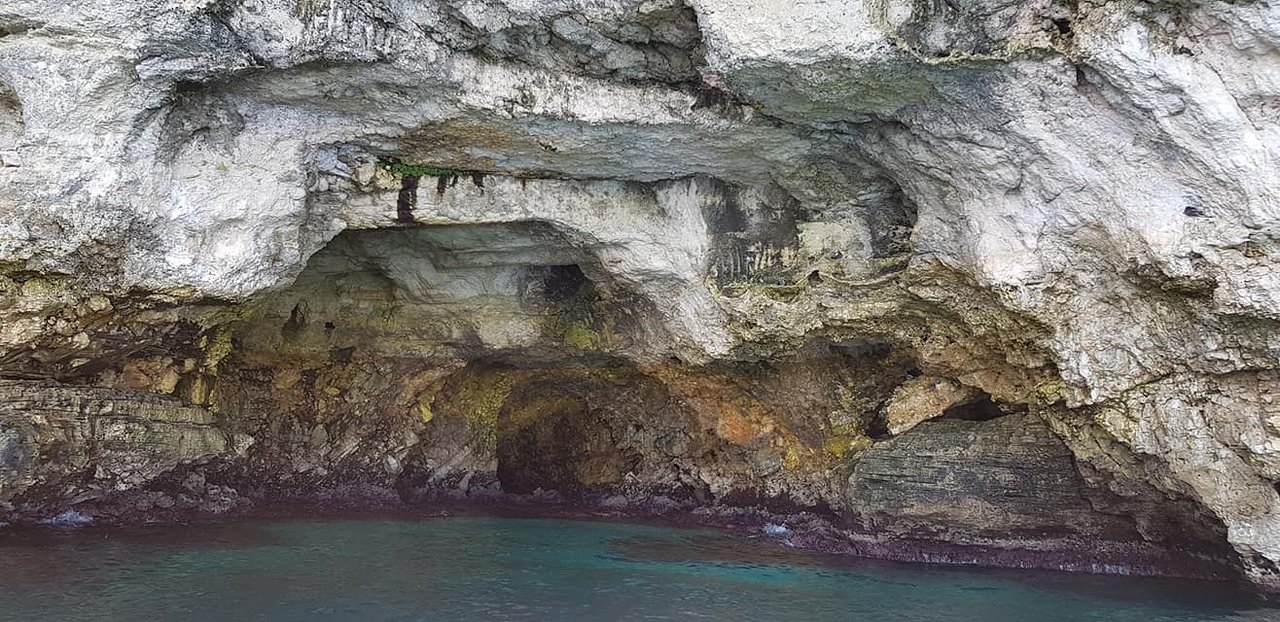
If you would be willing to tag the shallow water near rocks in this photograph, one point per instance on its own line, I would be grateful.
(488, 568)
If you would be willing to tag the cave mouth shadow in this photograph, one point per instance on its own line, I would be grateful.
(482, 290)
(550, 438)
(981, 408)
(542, 443)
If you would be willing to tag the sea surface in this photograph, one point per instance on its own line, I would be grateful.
(488, 568)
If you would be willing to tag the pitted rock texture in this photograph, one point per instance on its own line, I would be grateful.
(307, 217)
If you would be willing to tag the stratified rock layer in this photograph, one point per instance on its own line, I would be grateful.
(728, 253)
(62, 445)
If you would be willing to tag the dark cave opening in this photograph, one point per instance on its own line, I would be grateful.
(526, 285)
(983, 408)
(552, 440)
(562, 283)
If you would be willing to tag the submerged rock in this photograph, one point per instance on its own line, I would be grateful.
(775, 530)
(70, 518)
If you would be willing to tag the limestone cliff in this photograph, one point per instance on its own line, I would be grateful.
(985, 280)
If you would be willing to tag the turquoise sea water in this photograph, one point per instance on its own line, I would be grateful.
(482, 568)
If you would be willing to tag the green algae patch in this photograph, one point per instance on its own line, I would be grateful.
(581, 337)
(583, 322)
(1050, 392)
(416, 170)
(217, 345)
(447, 177)
(842, 446)
(787, 294)
(424, 409)
(477, 398)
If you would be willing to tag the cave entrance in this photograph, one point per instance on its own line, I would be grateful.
(980, 408)
(551, 440)
(557, 443)
(468, 289)
(541, 443)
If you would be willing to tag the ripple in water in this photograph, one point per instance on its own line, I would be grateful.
(479, 568)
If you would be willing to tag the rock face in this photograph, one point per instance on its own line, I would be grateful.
(1010, 483)
(726, 253)
(61, 445)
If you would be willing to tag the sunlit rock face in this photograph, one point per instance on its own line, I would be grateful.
(727, 253)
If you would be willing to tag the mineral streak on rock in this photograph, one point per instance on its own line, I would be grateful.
(979, 281)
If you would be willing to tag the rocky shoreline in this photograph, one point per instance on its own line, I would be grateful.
(977, 485)
(822, 533)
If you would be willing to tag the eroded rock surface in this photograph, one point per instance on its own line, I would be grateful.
(62, 445)
(1010, 483)
(726, 253)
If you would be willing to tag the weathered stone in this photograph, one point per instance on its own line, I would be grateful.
(51, 436)
(924, 398)
(968, 478)
(1008, 483)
